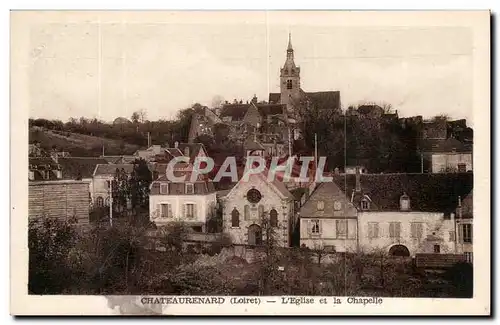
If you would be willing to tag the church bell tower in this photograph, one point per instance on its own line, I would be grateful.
(290, 80)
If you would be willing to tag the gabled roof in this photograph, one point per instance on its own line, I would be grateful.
(251, 144)
(235, 111)
(444, 145)
(110, 169)
(83, 167)
(324, 100)
(274, 98)
(427, 192)
(277, 186)
(194, 149)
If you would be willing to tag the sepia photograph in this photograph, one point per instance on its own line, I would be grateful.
(192, 162)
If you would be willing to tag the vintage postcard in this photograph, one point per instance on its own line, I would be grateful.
(250, 163)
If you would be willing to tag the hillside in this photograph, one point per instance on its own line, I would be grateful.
(79, 144)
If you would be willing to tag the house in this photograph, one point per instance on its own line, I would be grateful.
(253, 205)
(34, 150)
(81, 168)
(406, 214)
(446, 155)
(149, 153)
(123, 159)
(62, 199)
(192, 203)
(44, 168)
(102, 176)
(328, 220)
(464, 224)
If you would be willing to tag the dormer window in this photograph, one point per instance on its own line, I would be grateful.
(404, 202)
(189, 188)
(164, 188)
(320, 205)
(365, 204)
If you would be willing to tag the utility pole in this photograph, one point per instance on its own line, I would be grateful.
(315, 150)
(289, 142)
(421, 163)
(460, 223)
(111, 203)
(103, 150)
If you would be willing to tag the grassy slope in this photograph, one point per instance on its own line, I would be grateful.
(79, 144)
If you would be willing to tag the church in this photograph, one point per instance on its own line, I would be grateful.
(270, 126)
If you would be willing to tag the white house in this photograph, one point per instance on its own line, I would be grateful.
(189, 202)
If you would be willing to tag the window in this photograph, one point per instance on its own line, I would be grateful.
(341, 228)
(190, 210)
(166, 210)
(468, 257)
(246, 214)
(235, 218)
(321, 205)
(315, 227)
(99, 201)
(373, 230)
(452, 235)
(254, 196)
(189, 189)
(261, 210)
(163, 188)
(466, 233)
(289, 84)
(395, 229)
(273, 218)
(462, 168)
(404, 202)
(337, 205)
(107, 201)
(437, 249)
(365, 205)
(416, 230)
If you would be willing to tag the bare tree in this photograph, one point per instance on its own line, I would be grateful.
(217, 101)
(135, 117)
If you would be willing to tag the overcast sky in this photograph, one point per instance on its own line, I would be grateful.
(113, 69)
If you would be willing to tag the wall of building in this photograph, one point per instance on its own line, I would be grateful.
(205, 205)
(440, 162)
(328, 234)
(270, 200)
(59, 199)
(435, 231)
(100, 187)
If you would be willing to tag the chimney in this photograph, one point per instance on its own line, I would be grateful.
(176, 144)
(358, 180)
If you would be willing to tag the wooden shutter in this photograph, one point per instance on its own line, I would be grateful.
(158, 210)
(194, 211)
(184, 211)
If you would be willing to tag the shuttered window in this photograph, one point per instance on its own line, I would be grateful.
(341, 226)
(373, 230)
(315, 227)
(416, 230)
(273, 218)
(190, 210)
(166, 210)
(395, 229)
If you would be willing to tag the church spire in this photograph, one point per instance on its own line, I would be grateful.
(290, 48)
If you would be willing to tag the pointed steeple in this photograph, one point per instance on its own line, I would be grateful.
(290, 48)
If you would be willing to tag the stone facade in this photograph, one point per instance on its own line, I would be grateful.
(273, 197)
(419, 232)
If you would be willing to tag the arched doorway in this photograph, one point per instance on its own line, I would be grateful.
(254, 235)
(399, 250)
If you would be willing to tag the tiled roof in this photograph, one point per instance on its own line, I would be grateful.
(194, 149)
(274, 98)
(75, 167)
(427, 192)
(328, 100)
(201, 187)
(251, 144)
(110, 169)
(235, 111)
(441, 145)
(271, 109)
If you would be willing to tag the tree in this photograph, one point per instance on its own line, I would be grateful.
(140, 180)
(217, 101)
(120, 190)
(135, 117)
(50, 242)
